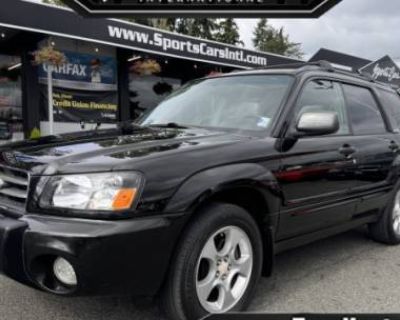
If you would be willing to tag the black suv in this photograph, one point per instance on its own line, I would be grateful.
(193, 201)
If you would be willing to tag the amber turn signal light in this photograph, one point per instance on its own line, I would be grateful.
(124, 198)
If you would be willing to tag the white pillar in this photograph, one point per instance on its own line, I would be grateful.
(50, 97)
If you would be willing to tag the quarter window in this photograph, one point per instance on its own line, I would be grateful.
(324, 96)
(365, 115)
(391, 102)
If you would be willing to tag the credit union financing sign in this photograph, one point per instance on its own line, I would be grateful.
(85, 89)
(237, 8)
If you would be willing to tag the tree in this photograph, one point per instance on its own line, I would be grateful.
(165, 24)
(228, 32)
(202, 28)
(267, 38)
(182, 26)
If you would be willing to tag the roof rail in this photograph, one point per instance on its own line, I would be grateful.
(323, 64)
(367, 76)
(326, 66)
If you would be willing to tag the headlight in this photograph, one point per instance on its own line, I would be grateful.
(97, 192)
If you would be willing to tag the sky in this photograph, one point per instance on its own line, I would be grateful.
(365, 28)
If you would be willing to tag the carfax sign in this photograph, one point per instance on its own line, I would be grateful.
(85, 89)
(84, 71)
(237, 8)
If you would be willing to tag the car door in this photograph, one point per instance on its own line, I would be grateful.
(376, 148)
(316, 173)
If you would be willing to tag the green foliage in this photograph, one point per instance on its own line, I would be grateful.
(228, 32)
(202, 28)
(267, 38)
(168, 24)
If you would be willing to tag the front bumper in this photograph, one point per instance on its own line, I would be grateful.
(109, 257)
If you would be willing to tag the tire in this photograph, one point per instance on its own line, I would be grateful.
(387, 229)
(194, 265)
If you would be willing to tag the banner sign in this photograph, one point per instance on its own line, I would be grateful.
(64, 22)
(85, 89)
(179, 46)
(83, 72)
(237, 8)
(383, 70)
(76, 106)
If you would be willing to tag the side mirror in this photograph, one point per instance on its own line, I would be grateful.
(317, 124)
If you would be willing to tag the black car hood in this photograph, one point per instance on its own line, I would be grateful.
(107, 149)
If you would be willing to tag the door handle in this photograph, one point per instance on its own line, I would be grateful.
(394, 146)
(347, 150)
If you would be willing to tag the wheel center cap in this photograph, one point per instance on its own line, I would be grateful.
(223, 268)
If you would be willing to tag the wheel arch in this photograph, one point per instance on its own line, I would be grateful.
(249, 186)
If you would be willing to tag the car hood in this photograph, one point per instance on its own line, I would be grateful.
(108, 149)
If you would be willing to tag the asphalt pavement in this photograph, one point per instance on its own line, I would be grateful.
(346, 273)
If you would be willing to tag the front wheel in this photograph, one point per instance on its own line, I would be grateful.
(217, 265)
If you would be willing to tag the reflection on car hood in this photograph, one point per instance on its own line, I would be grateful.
(105, 149)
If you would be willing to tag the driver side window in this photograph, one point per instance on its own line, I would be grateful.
(324, 96)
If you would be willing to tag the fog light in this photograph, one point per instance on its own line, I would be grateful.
(65, 272)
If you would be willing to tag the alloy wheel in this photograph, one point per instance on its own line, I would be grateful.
(224, 269)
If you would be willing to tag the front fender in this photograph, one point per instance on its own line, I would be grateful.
(208, 182)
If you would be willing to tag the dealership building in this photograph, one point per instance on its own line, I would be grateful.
(114, 70)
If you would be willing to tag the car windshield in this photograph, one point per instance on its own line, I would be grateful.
(248, 103)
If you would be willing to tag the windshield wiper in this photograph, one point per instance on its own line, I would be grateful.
(129, 127)
(172, 125)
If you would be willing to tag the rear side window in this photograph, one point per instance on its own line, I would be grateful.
(391, 103)
(365, 115)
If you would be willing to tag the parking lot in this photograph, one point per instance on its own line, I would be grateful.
(346, 273)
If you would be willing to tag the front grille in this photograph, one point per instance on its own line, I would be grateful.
(13, 184)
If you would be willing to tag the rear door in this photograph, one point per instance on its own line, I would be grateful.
(376, 148)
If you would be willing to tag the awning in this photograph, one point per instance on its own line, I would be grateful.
(47, 19)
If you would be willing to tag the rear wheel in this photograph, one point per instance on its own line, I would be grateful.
(387, 229)
(217, 264)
